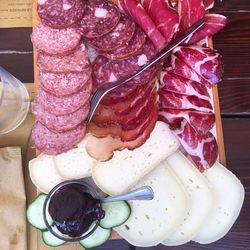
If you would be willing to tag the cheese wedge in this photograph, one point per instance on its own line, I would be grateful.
(75, 163)
(43, 173)
(152, 221)
(200, 194)
(127, 167)
(228, 199)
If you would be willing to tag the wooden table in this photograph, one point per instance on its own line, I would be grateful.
(234, 45)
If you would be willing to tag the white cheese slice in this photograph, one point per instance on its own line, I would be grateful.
(199, 192)
(100, 12)
(43, 173)
(151, 221)
(228, 199)
(127, 167)
(75, 163)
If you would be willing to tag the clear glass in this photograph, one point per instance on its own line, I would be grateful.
(14, 102)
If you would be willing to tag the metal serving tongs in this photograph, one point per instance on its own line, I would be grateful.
(160, 56)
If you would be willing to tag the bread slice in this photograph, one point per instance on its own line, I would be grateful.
(152, 221)
(128, 167)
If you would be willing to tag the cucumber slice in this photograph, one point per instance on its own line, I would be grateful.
(34, 213)
(50, 240)
(97, 238)
(116, 213)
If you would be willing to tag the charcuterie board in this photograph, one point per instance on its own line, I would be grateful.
(35, 241)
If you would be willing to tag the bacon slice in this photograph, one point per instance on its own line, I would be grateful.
(206, 62)
(202, 122)
(177, 101)
(165, 17)
(213, 24)
(177, 84)
(201, 148)
(138, 13)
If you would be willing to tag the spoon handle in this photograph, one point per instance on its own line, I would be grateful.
(142, 193)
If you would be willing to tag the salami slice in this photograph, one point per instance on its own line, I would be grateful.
(55, 41)
(100, 17)
(60, 13)
(52, 143)
(75, 62)
(116, 38)
(63, 84)
(60, 123)
(131, 48)
(62, 105)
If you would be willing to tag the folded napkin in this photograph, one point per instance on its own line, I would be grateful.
(12, 200)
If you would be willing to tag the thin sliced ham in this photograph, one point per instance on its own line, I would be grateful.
(177, 84)
(201, 148)
(206, 62)
(202, 122)
(208, 4)
(213, 24)
(138, 13)
(165, 17)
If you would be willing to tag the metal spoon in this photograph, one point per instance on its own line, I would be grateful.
(142, 193)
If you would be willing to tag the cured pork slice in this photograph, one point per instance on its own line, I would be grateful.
(201, 148)
(164, 16)
(208, 4)
(213, 24)
(206, 62)
(202, 122)
(177, 84)
(138, 13)
(190, 11)
(177, 101)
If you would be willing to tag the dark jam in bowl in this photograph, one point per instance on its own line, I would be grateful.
(73, 209)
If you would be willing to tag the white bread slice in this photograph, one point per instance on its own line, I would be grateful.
(43, 173)
(127, 167)
(75, 163)
(151, 221)
(228, 199)
(200, 194)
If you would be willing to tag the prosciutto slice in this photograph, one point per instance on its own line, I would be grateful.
(208, 4)
(177, 84)
(206, 62)
(138, 13)
(202, 148)
(165, 17)
(200, 121)
(176, 101)
(213, 24)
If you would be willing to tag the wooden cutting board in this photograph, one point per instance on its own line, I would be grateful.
(34, 237)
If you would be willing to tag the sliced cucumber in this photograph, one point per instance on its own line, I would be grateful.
(50, 240)
(97, 238)
(116, 213)
(34, 213)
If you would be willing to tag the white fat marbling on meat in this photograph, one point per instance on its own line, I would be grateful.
(42, 1)
(142, 60)
(67, 6)
(112, 78)
(100, 13)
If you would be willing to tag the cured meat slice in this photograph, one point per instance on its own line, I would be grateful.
(165, 17)
(178, 67)
(116, 38)
(131, 48)
(190, 12)
(208, 4)
(53, 143)
(60, 123)
(60, 13)
(138, 13)
(213, 24)
(55, 41)
(201, 148)
(176, 101)
(63, 84)
(75, 62)
(62, 105)
(177, 84)
(100, 17)
(206, 62)
(202, 122)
